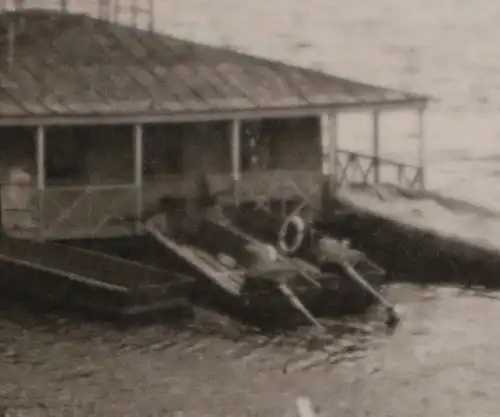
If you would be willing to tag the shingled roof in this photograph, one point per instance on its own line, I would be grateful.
(75, 65)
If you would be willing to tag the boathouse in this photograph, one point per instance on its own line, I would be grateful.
(99, 121)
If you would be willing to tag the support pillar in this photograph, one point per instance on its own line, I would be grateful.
(324, 126)
(236, 157)
(151, 15)
(376, 147)
(138, 169)
(421, 145)
(328, 137)
(40, 176)
(332, 152)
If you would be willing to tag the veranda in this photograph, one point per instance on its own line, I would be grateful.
(66, 179)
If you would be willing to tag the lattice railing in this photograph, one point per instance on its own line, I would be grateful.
(86, 211)
(280, 185)
(358, 168)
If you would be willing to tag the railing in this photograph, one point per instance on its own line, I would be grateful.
(253, 185)
(87, 211)
(180, 186)
(358, 168)
(280, 185)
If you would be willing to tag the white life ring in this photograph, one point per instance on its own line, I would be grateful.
(300, 229)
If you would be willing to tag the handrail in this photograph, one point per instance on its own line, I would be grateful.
(352, 165)
(86, 194)
(373, 157)
(95, 187)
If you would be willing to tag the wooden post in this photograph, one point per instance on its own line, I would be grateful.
(326, 161)
(40, 176)
(138, 169)
(151, 15)
(324, 126)
(134, 13)
(333, 145)
(421, 145)
(236, 157)
(376, 146)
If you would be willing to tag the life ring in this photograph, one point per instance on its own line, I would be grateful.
(298, 224)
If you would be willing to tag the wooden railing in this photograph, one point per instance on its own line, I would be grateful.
(359, 168)
(86, 211)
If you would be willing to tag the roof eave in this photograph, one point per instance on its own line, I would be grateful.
(204, 116)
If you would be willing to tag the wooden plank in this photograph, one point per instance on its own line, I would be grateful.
(229, 283)
(82, 264)
(63, 273)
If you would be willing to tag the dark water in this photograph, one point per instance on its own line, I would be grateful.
(55, 362)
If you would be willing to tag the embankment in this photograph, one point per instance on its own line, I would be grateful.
(411, 253)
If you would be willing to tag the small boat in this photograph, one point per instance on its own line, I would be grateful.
(88, 280)
(266, 261)
(259, 275)
(348, 280)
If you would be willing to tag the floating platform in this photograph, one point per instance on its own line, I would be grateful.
(88, 279)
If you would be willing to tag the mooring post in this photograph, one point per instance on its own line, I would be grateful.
(236, 157)
(138, 170)
(376, 146)
(40, 176)
(421, 144)
(325, 146)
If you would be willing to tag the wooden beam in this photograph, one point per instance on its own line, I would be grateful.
(40, 158)
(421, 144)
(332, 150)
(324, 128)
(139, 167)
(203, 116)
(376, 146)
(236, 156)
(41, 174)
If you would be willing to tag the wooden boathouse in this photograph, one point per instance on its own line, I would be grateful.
(100, 120)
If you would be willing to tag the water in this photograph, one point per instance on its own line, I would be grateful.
(55, 363)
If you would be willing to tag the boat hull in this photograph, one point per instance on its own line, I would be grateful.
(26, 275)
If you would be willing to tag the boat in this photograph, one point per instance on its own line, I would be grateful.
(88, 280)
